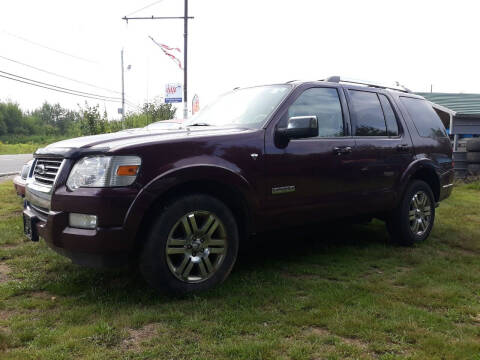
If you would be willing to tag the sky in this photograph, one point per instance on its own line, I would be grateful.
(234, 43)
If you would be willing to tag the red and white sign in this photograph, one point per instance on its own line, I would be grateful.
(195, 104)
(173, 93)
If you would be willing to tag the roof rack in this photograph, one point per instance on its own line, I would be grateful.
(337, 79)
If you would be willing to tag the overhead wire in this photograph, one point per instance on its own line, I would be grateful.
(50, 48)
(58, 75)
(61, 91)
(59, 87)
(145, 7)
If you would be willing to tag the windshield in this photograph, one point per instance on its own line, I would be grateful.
(249, 107)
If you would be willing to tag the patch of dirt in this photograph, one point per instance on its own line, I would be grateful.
(476, 319)
(44, 295)
(350, 341)
(466, 252)
(137, 336)
(4, 271)
(289, 275)
(8, 246)
(5, 314)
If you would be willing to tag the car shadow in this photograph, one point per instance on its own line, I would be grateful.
(288, 245)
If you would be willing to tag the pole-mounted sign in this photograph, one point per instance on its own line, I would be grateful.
(173, 93)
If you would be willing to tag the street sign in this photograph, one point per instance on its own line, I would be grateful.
(195, 104)
(173, 93)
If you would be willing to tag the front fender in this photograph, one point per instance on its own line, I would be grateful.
(166, 181)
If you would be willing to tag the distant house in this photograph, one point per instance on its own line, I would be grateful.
(460, 113)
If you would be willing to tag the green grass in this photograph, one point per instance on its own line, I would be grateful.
(25, 144)
(298, 295)
(7, 149)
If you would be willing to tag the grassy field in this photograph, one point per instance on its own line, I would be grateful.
(7, 149)
(24, 144)
(298, 295)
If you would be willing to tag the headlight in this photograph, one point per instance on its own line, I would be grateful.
(104, 171)
(26, 170)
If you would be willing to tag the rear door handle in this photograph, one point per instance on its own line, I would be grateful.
(341, 150)
(402, 147)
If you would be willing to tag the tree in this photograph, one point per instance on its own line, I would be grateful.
(90, 120)
(157, 111)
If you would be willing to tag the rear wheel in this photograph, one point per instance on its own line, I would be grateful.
(412, 221)
(192, 245)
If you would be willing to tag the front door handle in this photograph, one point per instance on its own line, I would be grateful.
(402, 147)
(341, 150)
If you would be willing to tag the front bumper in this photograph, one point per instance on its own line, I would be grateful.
(101, 247)
(109, 244)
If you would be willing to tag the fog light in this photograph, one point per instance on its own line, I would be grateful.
(82, 221)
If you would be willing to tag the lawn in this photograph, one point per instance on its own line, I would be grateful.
(8, 149)
(24, 144)
(343, 294)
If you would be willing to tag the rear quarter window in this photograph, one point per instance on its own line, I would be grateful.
(426, 120)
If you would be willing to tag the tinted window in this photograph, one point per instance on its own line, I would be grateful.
(325, 104)
(390, 118)
(369, 120)
(426, 120)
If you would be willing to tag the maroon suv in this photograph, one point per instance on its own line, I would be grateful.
(182, 201)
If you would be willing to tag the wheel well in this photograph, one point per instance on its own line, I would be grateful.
(431, 178)
(228, 195)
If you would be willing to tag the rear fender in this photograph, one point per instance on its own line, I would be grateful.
(409, 174)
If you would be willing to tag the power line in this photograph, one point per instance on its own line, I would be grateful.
(50, 48)
(61, 91)
(58, 75)
(60, 87)
(145, 7)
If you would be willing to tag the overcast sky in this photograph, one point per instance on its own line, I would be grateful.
(236, 43)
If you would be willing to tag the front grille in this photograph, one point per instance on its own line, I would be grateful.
(46, 170)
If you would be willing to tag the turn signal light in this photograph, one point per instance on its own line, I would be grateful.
(127, 170)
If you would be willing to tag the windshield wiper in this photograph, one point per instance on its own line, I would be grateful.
(200, 124)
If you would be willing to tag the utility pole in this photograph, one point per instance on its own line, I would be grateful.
(123, 90)
(185, 43)
(185, 18)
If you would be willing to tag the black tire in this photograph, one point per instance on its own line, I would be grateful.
(474, 169)
(473, 157)
(473, 145)
(155, 264)
(399, 223)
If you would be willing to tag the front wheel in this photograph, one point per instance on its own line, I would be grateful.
(192, 245)
(412, 221)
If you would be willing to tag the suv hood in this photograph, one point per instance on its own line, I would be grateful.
(71, 148)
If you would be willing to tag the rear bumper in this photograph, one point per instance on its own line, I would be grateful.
(446, 184)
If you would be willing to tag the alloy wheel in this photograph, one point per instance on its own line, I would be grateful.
(420, 213)
(196, 246)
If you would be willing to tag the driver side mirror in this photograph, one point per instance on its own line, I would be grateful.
(298, 127)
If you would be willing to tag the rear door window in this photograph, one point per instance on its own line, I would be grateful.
(368, 114)
(426, 120)
(390, 117)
